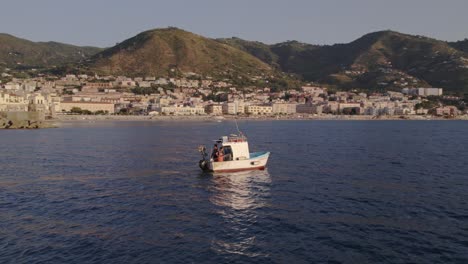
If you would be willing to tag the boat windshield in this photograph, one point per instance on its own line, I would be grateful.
(228, 155)
(236, 138)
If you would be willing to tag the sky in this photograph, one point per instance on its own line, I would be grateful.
(103, 23)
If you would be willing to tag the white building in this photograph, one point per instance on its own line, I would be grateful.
(283, 108)
(234, 108)
(347, 106)
(90, 106)
(423, 91)
(11, 102)
(182, 110)
(12, 86)
(309, 108)
(214, 109)
(259, 109)
(430, 91)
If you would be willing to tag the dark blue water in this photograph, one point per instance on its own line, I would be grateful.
(334, 192)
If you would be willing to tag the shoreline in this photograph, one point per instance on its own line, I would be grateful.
(85, 118)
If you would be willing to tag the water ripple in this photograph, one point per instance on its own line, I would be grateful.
(335, 192)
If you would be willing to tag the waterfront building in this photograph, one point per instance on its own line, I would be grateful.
(214, 109)
(39, 102)
(370, 110)
(348, 108)
(422, 111)
(404, 111)
(24, 102)
(234, 107)
(11, 102)
(309, 108)
(259, 109)
(163, 101)
(283, 108)
(331, 107)
(182, 110)
(90, 106)
(387, 111)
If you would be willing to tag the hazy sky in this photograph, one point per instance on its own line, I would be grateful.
(105, 22)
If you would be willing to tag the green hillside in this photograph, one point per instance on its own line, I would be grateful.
(257, 49)
(404, 59)
(16, 52)
(161, 52)
(377, 61)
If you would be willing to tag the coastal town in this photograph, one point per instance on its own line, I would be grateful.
(192, 95)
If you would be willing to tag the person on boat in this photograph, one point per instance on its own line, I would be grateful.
(221, 154)
(214, 154)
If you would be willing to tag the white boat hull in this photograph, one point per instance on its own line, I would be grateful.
(258, 161)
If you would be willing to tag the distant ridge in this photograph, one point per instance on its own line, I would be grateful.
(16, 52)
(377, 61)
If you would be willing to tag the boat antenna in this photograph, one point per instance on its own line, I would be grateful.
(238, 130)
(237, 126)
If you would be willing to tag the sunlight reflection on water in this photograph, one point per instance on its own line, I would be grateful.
(238, 196)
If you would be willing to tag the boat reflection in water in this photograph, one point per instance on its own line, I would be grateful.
(239, 197)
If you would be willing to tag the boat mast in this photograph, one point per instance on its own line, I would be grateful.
(237, 126)
(238, 130)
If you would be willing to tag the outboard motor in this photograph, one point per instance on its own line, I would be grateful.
(203, 163)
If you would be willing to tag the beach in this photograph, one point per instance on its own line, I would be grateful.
(71, 118)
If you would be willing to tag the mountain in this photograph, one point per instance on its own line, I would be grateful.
(460, 45)
(171, 50)
(257, 49)
(377, 61)
(16, 52)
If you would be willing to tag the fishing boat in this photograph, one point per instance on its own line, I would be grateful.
(235, 156)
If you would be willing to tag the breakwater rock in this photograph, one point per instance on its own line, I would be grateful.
(23, 120)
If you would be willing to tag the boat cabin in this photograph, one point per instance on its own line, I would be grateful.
(235, 147)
